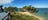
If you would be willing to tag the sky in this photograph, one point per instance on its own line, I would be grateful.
(21, 3)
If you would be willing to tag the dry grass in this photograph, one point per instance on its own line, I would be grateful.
(20, 16)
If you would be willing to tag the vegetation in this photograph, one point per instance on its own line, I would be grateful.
(19, 16)
(30, 9)
(10, 8)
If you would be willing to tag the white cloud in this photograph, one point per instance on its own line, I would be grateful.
(5, 1)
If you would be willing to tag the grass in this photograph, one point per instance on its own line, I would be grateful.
(19, 16)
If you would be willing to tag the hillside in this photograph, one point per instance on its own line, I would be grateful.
(24, 16)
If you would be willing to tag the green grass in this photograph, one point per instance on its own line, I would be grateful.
(19, 16)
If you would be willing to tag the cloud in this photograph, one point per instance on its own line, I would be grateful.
(5, 1)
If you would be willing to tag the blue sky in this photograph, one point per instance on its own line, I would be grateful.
(21, 3)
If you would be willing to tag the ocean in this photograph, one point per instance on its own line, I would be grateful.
(43, 12)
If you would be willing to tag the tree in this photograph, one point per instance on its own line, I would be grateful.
(10, 8)
(24, 8)
(31, 9)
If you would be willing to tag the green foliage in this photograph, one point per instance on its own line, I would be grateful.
(31, 9)
(11, 8)
(25, 7)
